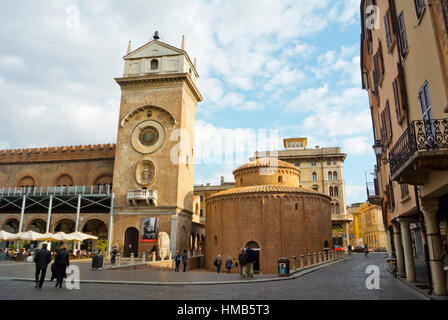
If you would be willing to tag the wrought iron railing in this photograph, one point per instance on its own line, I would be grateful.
(372, 189)
(60, 190)
(422, 135)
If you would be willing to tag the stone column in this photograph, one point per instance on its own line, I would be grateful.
(407, 248)
(438, 275)
(309, 260)
(314, 258)
(143, 257)
(302, 261)
(319, 256)
(399, 253)
(153, 256)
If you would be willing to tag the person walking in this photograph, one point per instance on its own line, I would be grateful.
(62, 262)
(42, 259)
(177, 260)
(349, 249)
(229, 264)
(185, 259)
(251, 258)
(366, 250)
(114, 254)
(242, 258)
(218, 263)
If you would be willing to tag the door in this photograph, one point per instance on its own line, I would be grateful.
(131, 242)
(254, 246)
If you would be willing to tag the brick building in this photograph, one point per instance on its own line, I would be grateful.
(129, 192)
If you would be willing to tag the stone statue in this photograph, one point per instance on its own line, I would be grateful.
(164, 244)
(145, 172)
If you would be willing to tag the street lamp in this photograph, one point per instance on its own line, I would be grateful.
(378, 148)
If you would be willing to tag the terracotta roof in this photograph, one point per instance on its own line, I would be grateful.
(266, 189)
(266, 162)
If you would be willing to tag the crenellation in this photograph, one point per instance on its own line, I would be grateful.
(62, 153)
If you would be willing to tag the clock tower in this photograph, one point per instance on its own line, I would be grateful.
(154, 160)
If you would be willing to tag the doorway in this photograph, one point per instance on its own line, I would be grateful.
(254, 246)
(130, 242)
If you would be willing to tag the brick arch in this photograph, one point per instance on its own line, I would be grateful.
(64, 179)
(84, 222)
(8, 218)
(29, 221)
(103, 178)
(27, 179)
(55, 223)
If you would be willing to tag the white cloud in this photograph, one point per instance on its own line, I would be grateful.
(12, 62)
(357, 193)
(357, 145)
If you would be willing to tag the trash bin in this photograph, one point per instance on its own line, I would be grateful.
(97, 261)
(283, 267)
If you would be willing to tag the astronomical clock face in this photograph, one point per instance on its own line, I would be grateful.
(148, 136)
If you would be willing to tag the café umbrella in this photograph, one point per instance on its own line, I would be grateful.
(79, 236)
(6, 235)
(29, 236)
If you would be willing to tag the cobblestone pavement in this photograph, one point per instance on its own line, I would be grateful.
(341, 281)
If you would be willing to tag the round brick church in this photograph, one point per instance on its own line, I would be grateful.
(268, 211)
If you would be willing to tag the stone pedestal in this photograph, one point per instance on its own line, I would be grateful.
(132, 258)
(320, 257)
(438, 275)
(302, 261)
(314, 258)
(119, 259)
(399, 253)
(407, 249)
(309, 260)
(153, 256)
(143, 257)
(294, 261)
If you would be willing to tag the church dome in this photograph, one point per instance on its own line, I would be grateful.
(267, 171)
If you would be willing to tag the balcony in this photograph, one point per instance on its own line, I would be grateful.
(341, 218)
(373, 194)
(422, 147)
(138, 196)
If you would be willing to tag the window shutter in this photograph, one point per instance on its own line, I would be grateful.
(388, 121)
(403, 35)
(397, 99)
(387, 27)
(383, 128)
(419, 7)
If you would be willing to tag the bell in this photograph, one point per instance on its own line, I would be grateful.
(156, 35)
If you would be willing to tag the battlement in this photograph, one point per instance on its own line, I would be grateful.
(64, 153)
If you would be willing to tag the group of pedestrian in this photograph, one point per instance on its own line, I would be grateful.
(42, 259)
(245, 262)
(180, 257)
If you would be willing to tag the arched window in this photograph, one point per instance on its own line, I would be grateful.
(64, 180)
(27, 181)
(336, 192)
(331, 191)
(330, 176)
(297, 206)
(154, 64)
(336, 207)
(314, 176)
(335, 175)
(280, 179)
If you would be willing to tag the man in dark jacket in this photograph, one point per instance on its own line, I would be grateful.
(62, 262)
(185, 259)
(42, 259)
(251, 258)
(242, 258)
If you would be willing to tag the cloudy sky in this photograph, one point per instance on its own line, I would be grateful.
(287, 65)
